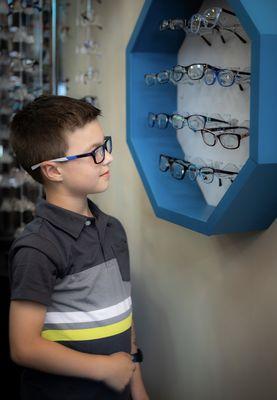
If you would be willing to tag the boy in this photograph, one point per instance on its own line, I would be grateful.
(70, 313)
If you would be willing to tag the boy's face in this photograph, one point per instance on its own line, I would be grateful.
(82, 176)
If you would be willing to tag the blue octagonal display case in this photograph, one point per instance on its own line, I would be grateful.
(250, 203)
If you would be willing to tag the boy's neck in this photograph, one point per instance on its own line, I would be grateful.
(76, 204)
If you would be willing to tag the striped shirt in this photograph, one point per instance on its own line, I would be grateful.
(78, 267)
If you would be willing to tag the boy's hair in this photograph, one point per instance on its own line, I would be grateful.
(39, 131)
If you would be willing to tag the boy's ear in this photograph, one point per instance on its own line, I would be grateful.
(52, 172)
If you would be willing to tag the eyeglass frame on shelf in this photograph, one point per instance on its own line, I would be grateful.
(184, 70)
(202, 18)
(217, 137)
(156, 77)
(206, 67)
(186, 25)
(184, 118)
(187, 165)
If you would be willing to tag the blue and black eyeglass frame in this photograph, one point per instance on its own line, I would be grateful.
(97, 154)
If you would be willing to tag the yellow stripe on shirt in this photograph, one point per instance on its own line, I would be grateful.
(88, 334)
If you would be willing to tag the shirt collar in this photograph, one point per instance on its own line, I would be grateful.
(67, 220)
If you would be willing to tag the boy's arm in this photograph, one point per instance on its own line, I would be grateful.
(137, 386)
(28, 348)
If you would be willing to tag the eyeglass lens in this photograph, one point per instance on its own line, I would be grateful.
(99, 153)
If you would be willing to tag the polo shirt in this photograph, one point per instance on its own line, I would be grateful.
(78, 267)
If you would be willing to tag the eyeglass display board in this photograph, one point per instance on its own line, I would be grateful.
(250, 203)
(25, 64)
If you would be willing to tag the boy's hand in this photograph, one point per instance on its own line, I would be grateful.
(120, 369)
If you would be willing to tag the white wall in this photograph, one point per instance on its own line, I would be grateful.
(205, 307)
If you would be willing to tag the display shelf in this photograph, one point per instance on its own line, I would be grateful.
(250, 203)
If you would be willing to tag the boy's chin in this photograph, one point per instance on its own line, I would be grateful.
(98, 190)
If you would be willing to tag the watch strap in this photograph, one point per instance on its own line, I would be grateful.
(137, 357)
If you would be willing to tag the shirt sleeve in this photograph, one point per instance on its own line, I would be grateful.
(32, 276)
(121, 250)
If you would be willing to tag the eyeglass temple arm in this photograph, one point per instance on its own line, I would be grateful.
(241, 135)
(56, 160)
(221, 36)
(240, 37)
(220, 171)
(225, 128)
(228, 12)
(206, 40)
(234, 32)
(184, 162)
(218, 120)
(173, 159)
(61, 159)
(239, 72)
(241, 88)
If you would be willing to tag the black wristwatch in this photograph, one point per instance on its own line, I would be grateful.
(137, 357)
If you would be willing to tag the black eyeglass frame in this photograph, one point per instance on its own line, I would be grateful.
(90, 154)
(186, 165)
(93, 152)
(171, 161)
(217, 137)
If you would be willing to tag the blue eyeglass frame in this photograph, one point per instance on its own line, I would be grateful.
(90, 154)
(217, 71)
